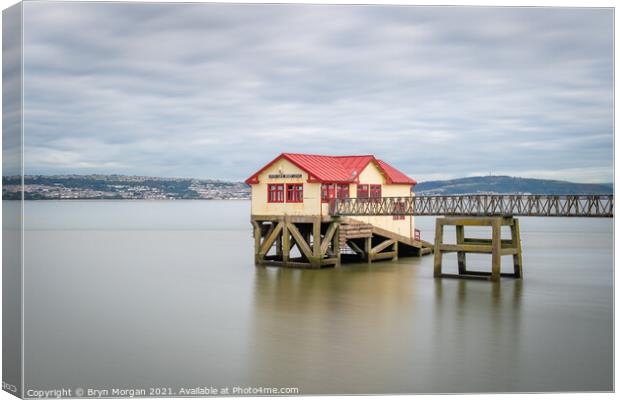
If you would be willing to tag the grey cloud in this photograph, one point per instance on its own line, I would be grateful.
(211, 90)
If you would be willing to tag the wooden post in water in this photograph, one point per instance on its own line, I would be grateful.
(367, 248)
(460, 239)
(438, 243)
(286, 241)
(495, 246)
(517, 261)
(316, 243)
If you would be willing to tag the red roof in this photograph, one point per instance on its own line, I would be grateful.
(336, 169)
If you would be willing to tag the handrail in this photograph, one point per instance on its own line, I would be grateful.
(478, 205)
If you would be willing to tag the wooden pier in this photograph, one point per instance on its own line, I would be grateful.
(316, 239)
(492, 211)
(481, 205)
(327, 241)
(304, 215)
(494, 246)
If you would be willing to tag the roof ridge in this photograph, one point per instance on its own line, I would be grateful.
(326, 155)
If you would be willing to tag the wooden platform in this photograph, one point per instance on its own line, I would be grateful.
(494, 246)
(321, 241)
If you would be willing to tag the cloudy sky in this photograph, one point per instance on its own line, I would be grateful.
(215, 91)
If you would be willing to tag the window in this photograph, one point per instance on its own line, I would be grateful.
(294, 193)
(400, 208)
(327, 192)
(333, 191)
(362, 191)
(342, 191)
(375, 191)
(275, 193)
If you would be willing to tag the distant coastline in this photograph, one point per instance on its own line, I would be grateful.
(122, 187)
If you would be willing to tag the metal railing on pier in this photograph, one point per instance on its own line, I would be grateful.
(479, 205)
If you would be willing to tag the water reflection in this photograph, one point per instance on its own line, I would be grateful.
(332, 330)
(381, 329)
(477, 331)
(196, 311)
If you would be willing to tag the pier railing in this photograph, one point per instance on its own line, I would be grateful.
(479, 205)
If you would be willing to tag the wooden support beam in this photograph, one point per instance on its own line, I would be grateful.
(333, 227)
(288, 264)
(316, 237)
(279, 246)
(438, 243)
(496, 255)
(316, 243)
(330, 261)
(381, 246)
(460, 239)
(286, 242)
(470, 248)
(274, 232)
(395, 247)
(356, 248)
(384, 256)
(367, 248)
(516, 243)
(336, 243)
(494, 246)
(505, 242)
(257, 238)
(300, 241)
(272, 226)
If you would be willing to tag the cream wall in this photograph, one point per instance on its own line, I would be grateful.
(373, 175)
(312, 196)
(312, 192)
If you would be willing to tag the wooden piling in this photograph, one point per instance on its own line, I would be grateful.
(495, 246)
(320, 239)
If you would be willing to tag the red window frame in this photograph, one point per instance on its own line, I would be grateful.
(294, 192)
(334, 190)
(375, 191)
(327, 192)
(399, 207)
(275, 193)
(362, 192)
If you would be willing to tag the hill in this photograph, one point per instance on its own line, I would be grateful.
(508, 184)
(113, 187)
(49, 187)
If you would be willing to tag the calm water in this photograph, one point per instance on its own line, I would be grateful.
(143, 294)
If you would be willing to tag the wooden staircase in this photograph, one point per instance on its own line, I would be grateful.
(371, 243)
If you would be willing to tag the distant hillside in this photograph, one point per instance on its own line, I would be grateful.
(508, 184)
(118, 187)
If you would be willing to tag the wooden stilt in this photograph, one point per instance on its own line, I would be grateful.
(257, 238)
(286, 242)
(395, 246)
(460, 239)
(336, 243)
(495, 246)
(301, 241)
(496, 255)
(516, 243)
(279, 246)
(316, 243)
(438, 243)
(269, 239)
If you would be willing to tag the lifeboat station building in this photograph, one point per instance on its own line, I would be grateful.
(291, 199)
